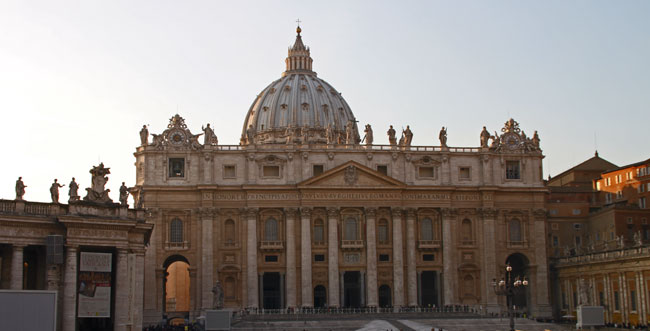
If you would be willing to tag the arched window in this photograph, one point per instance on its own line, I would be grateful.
(319, 229)
(176, 231)
(271, 230)
(229, 231)
(468, 285)
(466, 230)
(514, 229)
(382, 231)
(351, 232)
(426, 229)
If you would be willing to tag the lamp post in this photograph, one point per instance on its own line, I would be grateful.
(508, 287)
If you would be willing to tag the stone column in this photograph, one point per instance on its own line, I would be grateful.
(207, 258)
(489, 259)
(139, 293)
(121, 290)
(448, 257)
(362, 279)
(305, 258)
(411, 274)
(290, 239)
(371, 257)
(70, 289)
(251, 258)
(543, 308)
(342, 288)
(333, 257)
(398, 263)
(625, 311)
(17, 267)
(644, 306)
(54, 284)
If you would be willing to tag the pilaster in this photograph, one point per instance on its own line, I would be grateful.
(207, 257)
(70, 289)
(398, 263)
(121, 291)
(333, 257)
(305, 258)
(410, 258)
(290, 214)
(448, 260)
(489, 260)
(543, 307)
(251, 258)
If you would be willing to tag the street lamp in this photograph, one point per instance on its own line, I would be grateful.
(509, 288)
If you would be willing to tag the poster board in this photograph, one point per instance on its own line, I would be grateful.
(94, 285)
(28, 310)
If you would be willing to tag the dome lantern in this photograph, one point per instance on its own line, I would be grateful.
(299, 59)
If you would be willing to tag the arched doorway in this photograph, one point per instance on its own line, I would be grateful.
(428, 289)
(519, 264)
(176, 285)
(320, 296)
(384, 296)
(352, 289)
(271, 290)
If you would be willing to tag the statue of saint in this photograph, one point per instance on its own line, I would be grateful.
(585, 298)
(368, 137)
(443, 137)
(349, 133)
(289, 133)
(250, 134)
(209, 137)
(485, 136)
(496, 140)
(73, 191)
(54, 191)
(217, 297)
(329, 134)
(124, 194)
(391, 136)
(140, 203)
(20, 188)
(536, 139)
(408, 136)
(144, 136)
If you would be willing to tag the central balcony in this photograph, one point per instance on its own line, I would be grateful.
(352, 245)
(272, 246)
(428, 245)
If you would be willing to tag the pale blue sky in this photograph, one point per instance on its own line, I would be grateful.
(78, 79)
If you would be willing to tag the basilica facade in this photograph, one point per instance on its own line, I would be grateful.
(305, 213)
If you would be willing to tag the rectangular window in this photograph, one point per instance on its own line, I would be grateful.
(598, 186)
(577, 226)
(617, 304)
(512, 170)
(229, 171)
(319, 258)
(608, 181)
(564, 303)
(601, 298)
(271, 171)
(317, 169)
(425, 172)
(578, 240)
(382, 169)
(577, 211)
(608, 197)
(555, 226)
(383, 257)
(553, 212)
(556, 241)
(633, 300)
(271, 258)
(177, 167)
(427, 257)
(642, 203)
(619, 194)
(463, 173)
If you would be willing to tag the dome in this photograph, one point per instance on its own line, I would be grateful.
(299, 107)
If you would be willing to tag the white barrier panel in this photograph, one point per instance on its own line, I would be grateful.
(28, 310)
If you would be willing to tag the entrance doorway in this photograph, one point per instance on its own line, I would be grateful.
(271, 290)
(428, 289)
(384, 296)
(519, 264)
(176, 287)
(352, 289)
(320, 296)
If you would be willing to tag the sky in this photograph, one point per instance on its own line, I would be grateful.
(78, 79)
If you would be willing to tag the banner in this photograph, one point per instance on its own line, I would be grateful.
(95, 285)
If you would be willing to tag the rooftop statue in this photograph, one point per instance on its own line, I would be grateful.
(20, 188)
(97, 192)
(408, 136)
(391, 136)
(443, 137)
(124, 194)
(54, 191)
(209, 137)
(73, 191)
(485, 136)
(368, 137)
(144, 136)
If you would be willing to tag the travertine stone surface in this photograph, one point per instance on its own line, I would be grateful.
(333, 257)
(371, 257)
(410, 259)
(70, 289)
(251, 259)
(449, 268)
(207, 259)
(305, 259)
(398, 262)
(17, 267)
(122, 291)
(291, 257)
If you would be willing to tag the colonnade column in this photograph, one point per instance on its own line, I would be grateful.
(411, 274)
(333, 257)
(17, 267)
(398, 263)
(138, 289)
(290, 239)
(207, 258)
(121, 290)
(448, 258)
(251, 258)
(642, 290)
(70, 289)
(305, 260)
(489, 259)
(371, 257)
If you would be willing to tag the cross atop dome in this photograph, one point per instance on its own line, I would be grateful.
(299, 59)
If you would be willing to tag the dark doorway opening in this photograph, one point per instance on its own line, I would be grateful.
(271, 288)
(320, 296)
(428, 290)
(519, 264)
(352, 289)
(384, 296)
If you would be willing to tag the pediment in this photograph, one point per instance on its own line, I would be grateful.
(351, 175)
